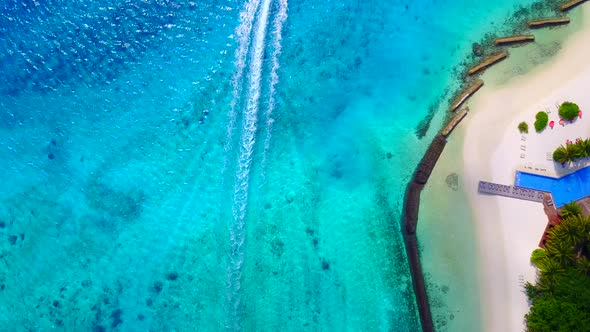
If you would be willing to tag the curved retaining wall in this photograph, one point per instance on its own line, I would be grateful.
(410, 216)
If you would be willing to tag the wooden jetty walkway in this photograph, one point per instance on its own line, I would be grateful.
(487, 62)
(571, 4)
(510, 191)
(454, 122)
(548, 22)
(514, 40)
(466, 94)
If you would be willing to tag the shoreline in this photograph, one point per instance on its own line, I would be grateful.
(508, 230)
(487, 250)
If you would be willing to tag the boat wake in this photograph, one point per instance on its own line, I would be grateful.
(274, 76)
(243, 33)
(252, 35)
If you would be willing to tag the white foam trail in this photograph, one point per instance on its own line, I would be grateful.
(243, 32)
(247, 140)
(274, 76)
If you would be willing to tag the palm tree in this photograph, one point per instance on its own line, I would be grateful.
(575, 151)
(538, 256)
(583, 226)
(562, 155)
(551, 271)
(560, 252)
(570, 231)
(583, 265)
(573, 231)
(586, 144)
(570, 209)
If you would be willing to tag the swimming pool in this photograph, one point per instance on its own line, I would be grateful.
(565, 189)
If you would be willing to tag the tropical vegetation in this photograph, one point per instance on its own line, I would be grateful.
(571, 152)
(570, 209)
(541, 120)
(561, 296)
(523, 127)
(569, 110)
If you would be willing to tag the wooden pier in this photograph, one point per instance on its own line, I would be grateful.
(569, 5)
(514, 40)
(454, 122)
(466, 94)
(487, 62)
(548, 22)
(510, 191)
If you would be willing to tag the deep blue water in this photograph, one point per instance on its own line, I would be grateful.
(209, 165)
(565, 189)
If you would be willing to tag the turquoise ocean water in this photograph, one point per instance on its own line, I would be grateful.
(211, 165)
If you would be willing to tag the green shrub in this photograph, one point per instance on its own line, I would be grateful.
(537, 256)
(571, 209)
(561, 155)
(569, 110)
(569, 153)
(541, 121)
(576, 150)
(586, 145)
(560, 299)
(523, 127)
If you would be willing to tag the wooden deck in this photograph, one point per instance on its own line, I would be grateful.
(454, 121)
(569, 5)
(548, 22)
(553, 216)
(514, 40)
(477, 84)
(487, 62)
(510, 191)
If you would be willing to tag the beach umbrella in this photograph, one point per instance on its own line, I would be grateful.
(551, 124)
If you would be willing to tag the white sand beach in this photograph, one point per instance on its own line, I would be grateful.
(508, 230)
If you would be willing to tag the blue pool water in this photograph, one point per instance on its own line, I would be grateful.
(209, 165)
(564, 189)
